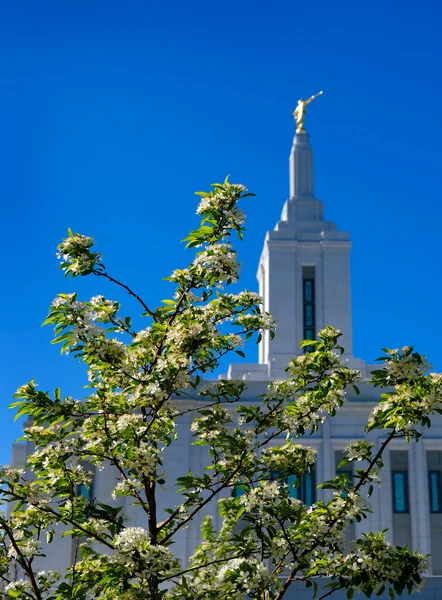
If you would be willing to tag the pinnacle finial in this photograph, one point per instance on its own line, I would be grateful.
(300, 110)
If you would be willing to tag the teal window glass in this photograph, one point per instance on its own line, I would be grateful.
(308, 315)
(239, 490)
(292, 480)
(308, 290)
(308, 488)
(400, 491)
(303, 490)
(86, 492)
(346, 469)
(435, 495)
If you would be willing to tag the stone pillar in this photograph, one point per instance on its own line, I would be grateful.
(327, 460)
(386, 504)
(419, 501)
(302, 238)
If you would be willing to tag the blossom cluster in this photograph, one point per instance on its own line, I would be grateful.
(75, 255)
(219, 260)
(240, 576)
(223, 201)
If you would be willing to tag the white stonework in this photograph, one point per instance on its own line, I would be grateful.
(301, 239)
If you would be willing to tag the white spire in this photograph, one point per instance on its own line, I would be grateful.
(303, 247)
(301, 167)
(303, 275)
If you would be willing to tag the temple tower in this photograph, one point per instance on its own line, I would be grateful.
(304, 270)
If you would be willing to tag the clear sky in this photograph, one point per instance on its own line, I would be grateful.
(113, 113)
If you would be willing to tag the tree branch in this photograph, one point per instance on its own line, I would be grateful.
(331, 592)
(124, 286)
(210, 563)
(26, 566)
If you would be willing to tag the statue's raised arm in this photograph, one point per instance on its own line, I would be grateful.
(313, 97)
(299, 112)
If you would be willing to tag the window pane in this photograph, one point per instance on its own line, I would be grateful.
(308, 315)
(84, 491)
(308, 290)
(345, 469)
(400, 492)
(434, 491)
(309, 492)
(276, 476)
(293, 491)
(309, 334)
(239, 490)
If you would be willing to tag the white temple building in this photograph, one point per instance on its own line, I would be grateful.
(304, 279)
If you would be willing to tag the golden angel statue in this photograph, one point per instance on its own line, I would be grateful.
(300, 110)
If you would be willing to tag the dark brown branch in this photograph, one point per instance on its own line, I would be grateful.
(124, 286)
(25, 565)
(63, 519)
(208, 564)
(114, 460)
(330, 592)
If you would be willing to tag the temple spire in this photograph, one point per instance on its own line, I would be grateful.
(304, 271)
(301, 168)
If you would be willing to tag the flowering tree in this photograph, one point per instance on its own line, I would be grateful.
(137, 378)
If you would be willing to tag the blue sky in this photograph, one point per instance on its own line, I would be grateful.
(114, 113)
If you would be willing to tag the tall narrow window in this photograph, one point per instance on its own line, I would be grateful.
(400, 491)
(87, 491)
(434, 466)
(308, 301)
(400, 498)
(435, 496)
(292, 480)
(399, 480)
(308, 488)
(346, 469)
(434, 463)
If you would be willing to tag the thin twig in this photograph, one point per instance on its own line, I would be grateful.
(330, 592)
(26, 566)
(126, 287)
(208, 564)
